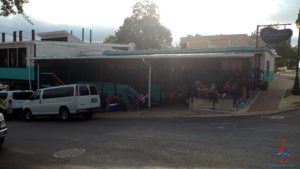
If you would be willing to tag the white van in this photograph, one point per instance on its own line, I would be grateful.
(64, 101)
(13, 100)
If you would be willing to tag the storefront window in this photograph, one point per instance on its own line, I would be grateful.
(22, 57)
(12, 57)
(3, 58)
(15, 57)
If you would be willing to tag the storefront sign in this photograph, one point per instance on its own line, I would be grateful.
(271, 35)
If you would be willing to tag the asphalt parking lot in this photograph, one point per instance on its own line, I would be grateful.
(219, 142)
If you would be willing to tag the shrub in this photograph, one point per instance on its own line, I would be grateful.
(264, 85)
(288, 93)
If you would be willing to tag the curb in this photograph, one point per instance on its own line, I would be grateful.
(258, 113)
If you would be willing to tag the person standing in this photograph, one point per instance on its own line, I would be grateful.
(236, 94)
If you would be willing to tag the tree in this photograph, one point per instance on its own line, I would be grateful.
(110, 39)
(143, 28)
(13, 7)
(288, 55)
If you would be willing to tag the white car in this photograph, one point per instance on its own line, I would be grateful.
(64, 100)
(13, 100)
(3, 129)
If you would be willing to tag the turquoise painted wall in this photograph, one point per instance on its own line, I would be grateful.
(17, 73)
(268, 76)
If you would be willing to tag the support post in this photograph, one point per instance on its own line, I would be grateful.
(256, 58)
(149, 82)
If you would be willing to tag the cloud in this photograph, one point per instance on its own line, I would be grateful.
(287, 11)
(16, 23)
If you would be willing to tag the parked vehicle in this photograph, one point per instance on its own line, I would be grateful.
(12, 101)
(3, 129)
(64, 100)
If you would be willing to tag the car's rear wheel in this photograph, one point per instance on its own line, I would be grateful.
(64, 113)
(28, 115)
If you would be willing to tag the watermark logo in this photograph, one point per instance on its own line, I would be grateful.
(282, 156)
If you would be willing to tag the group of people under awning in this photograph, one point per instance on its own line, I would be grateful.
(232, 90)
(235, 88)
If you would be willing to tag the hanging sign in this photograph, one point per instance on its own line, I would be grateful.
(271, 35)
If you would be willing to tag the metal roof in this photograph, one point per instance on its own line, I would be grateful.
(185, 51)
(245, 52)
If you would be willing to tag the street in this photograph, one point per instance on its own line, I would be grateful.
(219, 142)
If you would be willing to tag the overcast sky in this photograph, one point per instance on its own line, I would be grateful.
(182, 17)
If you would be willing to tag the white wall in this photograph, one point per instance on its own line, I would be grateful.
(263, 61)
(65, 49)
(56, 49)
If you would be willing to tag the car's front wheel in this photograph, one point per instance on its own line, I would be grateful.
(64, 113)
(28, 115)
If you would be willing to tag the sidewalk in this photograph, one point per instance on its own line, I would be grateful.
(270, 99)
(265, 102)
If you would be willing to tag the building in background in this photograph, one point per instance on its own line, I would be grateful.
(217, 41)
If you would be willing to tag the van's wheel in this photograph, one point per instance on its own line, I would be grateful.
(64, 113)
(28, 115)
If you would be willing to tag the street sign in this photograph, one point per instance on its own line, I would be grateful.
(271, 35)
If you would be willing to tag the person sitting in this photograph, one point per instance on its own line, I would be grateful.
(200, 85)
(227, 89)
(201, 88)
(142, 101)
(212, 87)
(112, 100)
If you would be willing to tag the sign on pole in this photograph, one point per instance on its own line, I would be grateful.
(271, 35)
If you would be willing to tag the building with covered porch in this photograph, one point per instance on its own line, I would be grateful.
(166, 75)
(169, 73)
